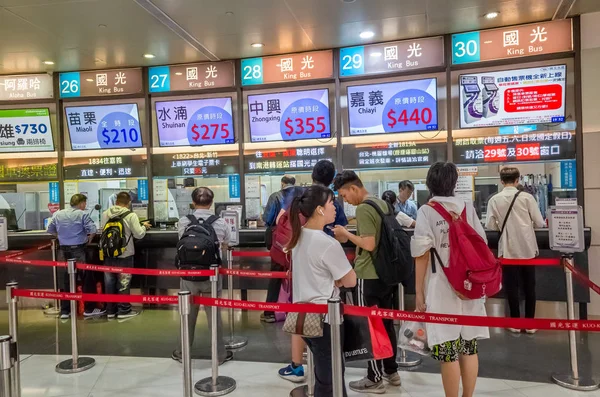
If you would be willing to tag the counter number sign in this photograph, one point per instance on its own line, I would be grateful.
(465, 48)
(69, 85)
(159, 79)
(252, 71)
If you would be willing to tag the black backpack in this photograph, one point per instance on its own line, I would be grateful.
(393, 261)
(113, 241)
(198, 248)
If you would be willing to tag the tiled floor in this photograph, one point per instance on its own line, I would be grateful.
(160, 377)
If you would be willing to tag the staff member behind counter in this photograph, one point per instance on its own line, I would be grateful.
(75, 229)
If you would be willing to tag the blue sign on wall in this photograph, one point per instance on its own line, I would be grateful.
(54, 192)
(234, 186)
(568, 174)
(252, 71)
(70, 85)
(159, 79)
(352, 61)
(465, 48)
(142, 189)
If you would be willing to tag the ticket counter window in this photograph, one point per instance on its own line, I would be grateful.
(25, 205)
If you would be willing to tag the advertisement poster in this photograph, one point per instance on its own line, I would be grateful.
(25, 130)
(393, 107)
(195, 122)
(289, 116)
(513, 97)
(104, 126)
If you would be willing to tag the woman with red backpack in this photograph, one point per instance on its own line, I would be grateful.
(454, 346)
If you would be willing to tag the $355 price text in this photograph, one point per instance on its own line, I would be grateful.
(306, 125)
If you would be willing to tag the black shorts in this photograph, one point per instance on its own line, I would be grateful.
(449, 352)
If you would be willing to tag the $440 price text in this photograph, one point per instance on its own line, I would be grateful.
(417, 117)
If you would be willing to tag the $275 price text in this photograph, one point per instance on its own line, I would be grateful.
(210, 131)
(306, 125)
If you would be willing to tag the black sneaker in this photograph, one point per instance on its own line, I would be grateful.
(176, 355)
(121, 317)
(267, 318)
(228, 357)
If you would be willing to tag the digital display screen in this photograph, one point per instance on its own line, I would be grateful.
(104, 126)
(25, 130)
(195, 122)
(403, 106)
(289, 116)
(513, 97)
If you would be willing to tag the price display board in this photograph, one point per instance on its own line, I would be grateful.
(393, 154)
(105, 167)
(515, 148)
(195, 122)
(290, 67)
(393, 107)
(196, 76)
(26, 87)
(104, 126)
(196, 164)
(286, 160)
(513, 97)
(25, 130)
(397, 56)
(289, 116)
(101, 83)
(513, 42)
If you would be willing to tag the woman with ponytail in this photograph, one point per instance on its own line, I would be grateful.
(319, 269)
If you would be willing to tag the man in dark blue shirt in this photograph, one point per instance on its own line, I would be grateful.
(280, 200)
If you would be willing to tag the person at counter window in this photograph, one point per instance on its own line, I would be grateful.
(404, 204)
(371, 290)
(75, 229)
(403, 219)
(120, 283)
(515, 214)
(278, 199)
(455, 347)
(203, 198)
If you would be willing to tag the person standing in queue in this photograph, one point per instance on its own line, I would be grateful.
(75, 229)
(404, 203)
(323, 268)
(205, 219)
(120, 217)
(403, 219)
(322, 175)
(371, 290)
(454, 346)
(515, 214)
(277, 202)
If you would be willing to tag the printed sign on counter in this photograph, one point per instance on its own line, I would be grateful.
(512, 97)
(513, 41)
(231, 219)
(101, 83)
(195, 122)
(71, 188)
(142, 189)
(289, 116)
(25, 130)
(104, 126)
(26, 87)
(290, 67)
(397, 56)
(195, 76)
(568, 174)
(393, 107)
(160, 189)
(234, 187)
(53, 193)
(3, 233)
(566, 229)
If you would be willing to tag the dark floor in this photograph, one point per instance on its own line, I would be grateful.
(154, 334)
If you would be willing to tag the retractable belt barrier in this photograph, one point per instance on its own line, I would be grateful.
(478, 321)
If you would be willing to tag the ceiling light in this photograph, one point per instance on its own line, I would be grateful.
(491, 15)
(178, 73)
(149, 56)
(229, 13)
(348, 1)
(376, 54)
(48, 63)
(367, 34)
(257, 45)
(102, 26)
(90, 80)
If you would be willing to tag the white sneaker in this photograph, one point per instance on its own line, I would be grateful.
(95, 313)
(65, 316)
(514, 330)
(531, 331)
(393, 379)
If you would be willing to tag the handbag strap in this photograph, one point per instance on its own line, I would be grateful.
(512, 203)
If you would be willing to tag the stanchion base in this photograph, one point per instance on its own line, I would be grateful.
(235, 342)
(301, 391)
(52, 311)
(205, 387)
(67, 367)
(581, 384)
(409, 359)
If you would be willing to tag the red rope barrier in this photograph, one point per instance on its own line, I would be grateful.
(254, 273)
(146, 272)
(251, 253)
(36, 262)
(583, 278)
(24, 252)
(531, 262)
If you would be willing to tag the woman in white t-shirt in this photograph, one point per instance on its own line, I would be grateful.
(454, 346)
(319, 268)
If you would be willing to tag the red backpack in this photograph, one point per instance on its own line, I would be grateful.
(281, 238)
(473, 271)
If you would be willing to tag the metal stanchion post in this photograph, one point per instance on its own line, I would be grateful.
(405, 358)
(6, 364)
(54, 311)
(574, 380)
(335, 322)
(233, 342)
(76, 363)
(13, 331)
(307, 390)
(214, 385)
(186, 357)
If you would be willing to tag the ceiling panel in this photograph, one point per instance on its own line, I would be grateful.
(585, 7)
